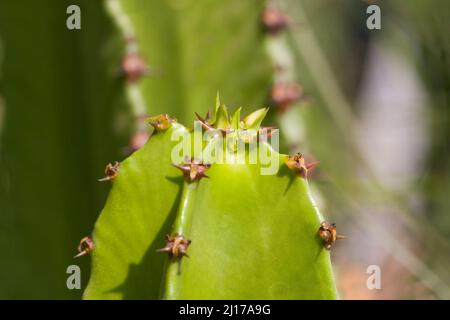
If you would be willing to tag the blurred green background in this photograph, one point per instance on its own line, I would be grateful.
(375, 112)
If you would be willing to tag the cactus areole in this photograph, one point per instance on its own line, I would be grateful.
(213, 212)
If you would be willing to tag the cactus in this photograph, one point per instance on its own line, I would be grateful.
(66, 111)
(203, 230)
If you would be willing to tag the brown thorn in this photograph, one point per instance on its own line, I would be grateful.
(204, 123)
(111, 171)
(83, 253)
(208, 115)
(199, 117)
(296, 163)
(311, 165)
(193, 170)
(327, 233)
(86, 245)
(207, 126)
(176, 246)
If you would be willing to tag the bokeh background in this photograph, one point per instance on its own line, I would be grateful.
(374, 110)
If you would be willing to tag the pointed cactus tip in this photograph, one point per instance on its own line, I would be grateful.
(254, 119)
(208, 115)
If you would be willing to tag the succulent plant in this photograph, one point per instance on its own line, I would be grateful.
(200, 229)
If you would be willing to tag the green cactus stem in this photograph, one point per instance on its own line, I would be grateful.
(230, 231)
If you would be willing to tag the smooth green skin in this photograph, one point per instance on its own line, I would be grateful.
(197, 47)
(253, 236)
(138, 214)
(61, 100)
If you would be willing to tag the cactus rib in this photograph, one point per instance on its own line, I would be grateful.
(253, 236)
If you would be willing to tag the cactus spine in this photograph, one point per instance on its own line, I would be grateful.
(253, 236)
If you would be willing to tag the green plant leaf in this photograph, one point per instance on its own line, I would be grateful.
(236, 120)
(222, 119)
(254, 120)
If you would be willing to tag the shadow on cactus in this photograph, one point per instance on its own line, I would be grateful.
(181, 222)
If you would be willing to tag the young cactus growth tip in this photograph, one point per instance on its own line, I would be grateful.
(242, 221)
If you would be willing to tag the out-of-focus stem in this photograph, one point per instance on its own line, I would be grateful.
(308, 47)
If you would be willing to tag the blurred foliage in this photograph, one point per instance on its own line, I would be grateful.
(340, 28)
(331, 124)
(58, 134)
(432, 26)
(428, 28)
(197, 48)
